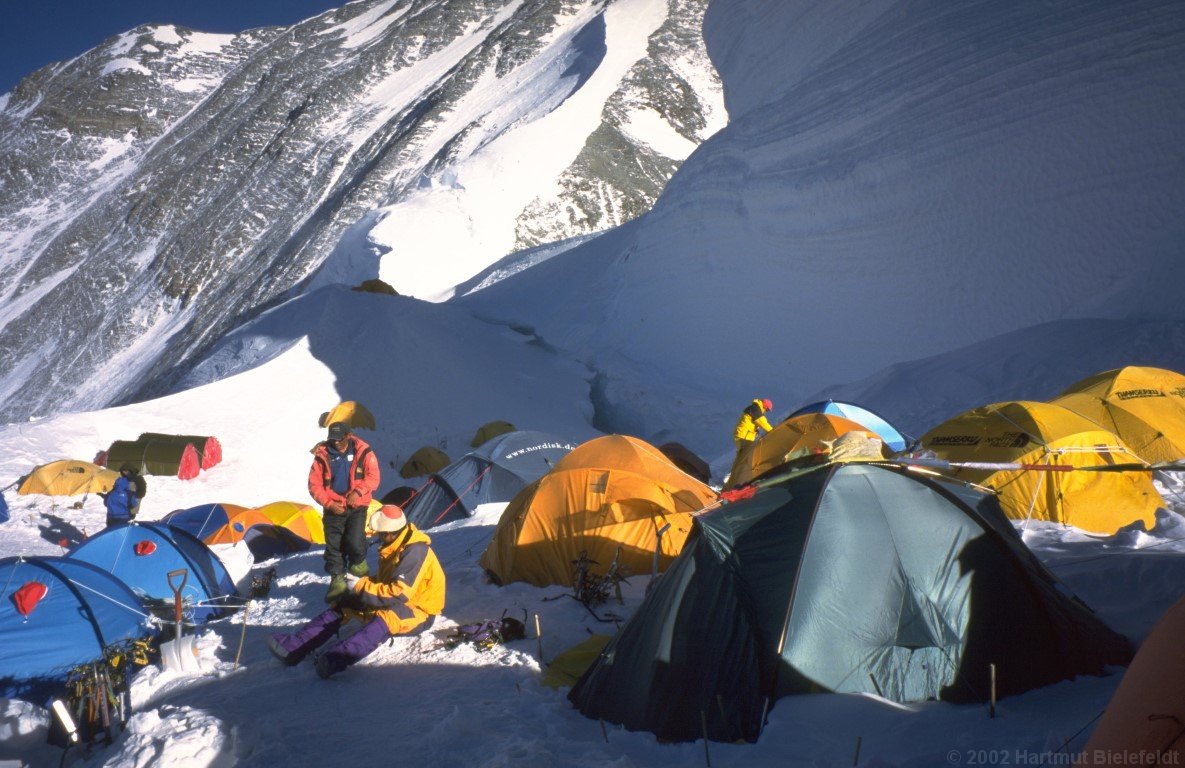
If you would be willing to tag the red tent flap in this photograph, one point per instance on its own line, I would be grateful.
(28, 596)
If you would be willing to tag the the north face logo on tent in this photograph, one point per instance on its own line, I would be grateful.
(1009, 440)
(1132, 394)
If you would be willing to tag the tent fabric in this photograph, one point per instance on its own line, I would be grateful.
(208, 448)
(208, 584)
(1145, 407)
(203, 520)
(844, 578)
(3, 509)
(357, 415)
(1027, 432)
(83, 610)
(68, 477)
(300, 519)
(862, 416)
(495, 472)
(1146, 714)
(169, 458)
(797, 437)
(611, 494)
(489, 431)
(685, 459)
(236, 527)
(566, 668)
(425, 461)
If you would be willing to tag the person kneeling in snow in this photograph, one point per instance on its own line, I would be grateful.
(404, 598)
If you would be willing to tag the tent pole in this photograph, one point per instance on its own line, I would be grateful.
(703, 719)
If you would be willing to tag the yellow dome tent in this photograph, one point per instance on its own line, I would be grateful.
(1144, 406)
(611, 492)
(68, 477)
(355, 414)
(489, 431)
(302, 519)
(425, 461)
(1032, 433)
(796, 437)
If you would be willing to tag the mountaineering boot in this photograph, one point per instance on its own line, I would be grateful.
(360, 570)
(277, 649)
(337, 588)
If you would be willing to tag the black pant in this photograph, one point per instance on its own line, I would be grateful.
(345, 540)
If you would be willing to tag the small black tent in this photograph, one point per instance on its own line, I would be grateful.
(841, 578)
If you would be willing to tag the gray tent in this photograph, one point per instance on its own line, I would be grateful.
(843, 578)
(494, 472)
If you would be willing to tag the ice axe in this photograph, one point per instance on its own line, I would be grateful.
(179, 653)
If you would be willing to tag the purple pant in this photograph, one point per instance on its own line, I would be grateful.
(340, 655)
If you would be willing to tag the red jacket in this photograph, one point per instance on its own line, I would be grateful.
(364, 475)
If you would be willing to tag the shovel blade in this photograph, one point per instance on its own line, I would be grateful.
(180, 655)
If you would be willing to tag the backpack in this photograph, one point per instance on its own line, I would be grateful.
(487, 634)
(140, 486)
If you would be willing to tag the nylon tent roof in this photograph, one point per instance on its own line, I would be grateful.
(68, 477)
(84, 609)
(494, 472)
(845, 578)
(1145, 407)
(208, 584)
(614, 493)
(1028, 432)
(424, 461)
(862, 416)
(794, 438)
(201, 521)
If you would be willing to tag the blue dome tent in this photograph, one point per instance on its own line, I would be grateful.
(142, 554)
(862, 416)
(55, 614)
(496, 471)
(202, 520)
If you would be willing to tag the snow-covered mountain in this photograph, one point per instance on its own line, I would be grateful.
(169, 184)
(898, 179)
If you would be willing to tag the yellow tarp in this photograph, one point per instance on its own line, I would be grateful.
(565, 669)
(68, 477)
(1144, 406)
(1027, 432)
(796, 437)
(611, 492)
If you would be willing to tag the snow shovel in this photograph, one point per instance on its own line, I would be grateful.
(179, 654)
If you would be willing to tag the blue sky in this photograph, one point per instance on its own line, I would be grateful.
(34, 33)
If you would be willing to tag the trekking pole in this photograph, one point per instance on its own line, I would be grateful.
(243, 633)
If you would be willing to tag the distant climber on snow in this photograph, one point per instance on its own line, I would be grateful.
(404, 598)
(344, 475)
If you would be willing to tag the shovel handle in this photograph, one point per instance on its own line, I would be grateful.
(183, 574)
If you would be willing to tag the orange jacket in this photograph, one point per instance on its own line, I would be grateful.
(364, 475)
(408, 588)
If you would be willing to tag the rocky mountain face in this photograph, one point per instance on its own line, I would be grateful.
(170, 184)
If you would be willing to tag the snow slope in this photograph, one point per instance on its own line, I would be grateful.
(898, 178)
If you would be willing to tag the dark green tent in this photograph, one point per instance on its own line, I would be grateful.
(156, 457)
(843, 578)
(209, 450)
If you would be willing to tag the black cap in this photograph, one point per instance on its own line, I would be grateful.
(339, 430)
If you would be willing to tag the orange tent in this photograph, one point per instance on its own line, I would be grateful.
(796, 437)
(302, 519)
(607, 498)
(68, 477)
(1147, 712)
(236, 527)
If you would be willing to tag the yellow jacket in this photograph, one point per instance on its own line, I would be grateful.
(408, 588)
(751, 418)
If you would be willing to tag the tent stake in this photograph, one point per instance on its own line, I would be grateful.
(604, 733)
(243, 633)
(703, 719)
(539, 637)
(856, 757)
(992, 705)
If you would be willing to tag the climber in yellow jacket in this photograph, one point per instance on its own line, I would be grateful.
(752, 418)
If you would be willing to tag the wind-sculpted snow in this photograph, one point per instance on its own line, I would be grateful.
(169, 185)
(897, 179)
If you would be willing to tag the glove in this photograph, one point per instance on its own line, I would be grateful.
(351, 600)
(352, 581)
